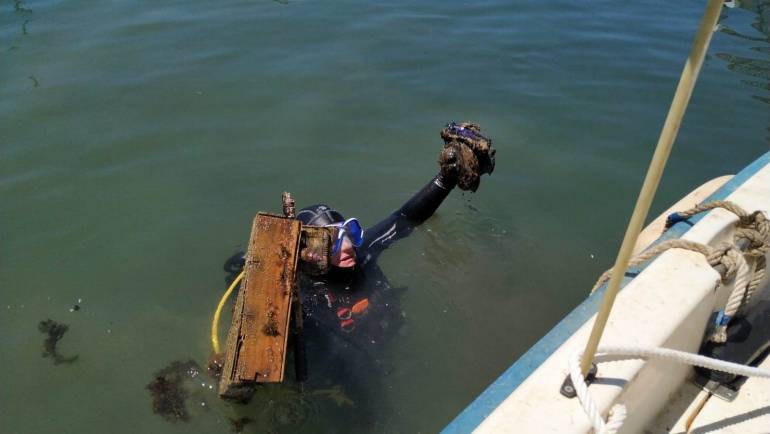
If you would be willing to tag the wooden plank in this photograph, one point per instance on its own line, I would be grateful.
(256, 342)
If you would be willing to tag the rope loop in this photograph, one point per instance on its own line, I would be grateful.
(724, 204)
(732, 259)
(753, 227)
(762, 223)
(758, 244)
(725, 254)
(617, 413)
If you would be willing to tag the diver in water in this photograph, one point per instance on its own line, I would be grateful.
(358, 284)
(351, 311)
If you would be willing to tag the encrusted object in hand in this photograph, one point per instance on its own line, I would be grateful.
(467, 154)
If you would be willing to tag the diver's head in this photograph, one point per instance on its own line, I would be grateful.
(319, 215)
(348, 236)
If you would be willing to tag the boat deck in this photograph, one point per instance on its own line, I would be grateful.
(693, 410)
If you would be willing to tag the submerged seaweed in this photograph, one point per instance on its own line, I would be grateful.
(168, 392)
(55, 332)
(168, 399)
(336, 394)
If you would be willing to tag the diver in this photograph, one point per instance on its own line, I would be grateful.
(351, 310)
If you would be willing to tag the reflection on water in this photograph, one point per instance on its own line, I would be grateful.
(757, 68)
(23, 16)
(20, 7)
(35, 81)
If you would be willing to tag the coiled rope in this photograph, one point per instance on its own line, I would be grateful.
(617, 414)
(746, 269)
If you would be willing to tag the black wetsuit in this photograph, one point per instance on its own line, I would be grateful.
(324, 296)
(350, 315)
(365, 290)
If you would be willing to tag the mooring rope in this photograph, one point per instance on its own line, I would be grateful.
(617, 414)
(746, 269)
(715, 256)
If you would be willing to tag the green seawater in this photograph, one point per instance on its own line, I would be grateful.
(139, 138)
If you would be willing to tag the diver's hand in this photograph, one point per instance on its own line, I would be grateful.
(466, 155)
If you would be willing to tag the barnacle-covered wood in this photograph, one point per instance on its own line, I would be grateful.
(316, 250)
(256, 342)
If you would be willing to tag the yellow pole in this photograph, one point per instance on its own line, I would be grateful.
(654, 173)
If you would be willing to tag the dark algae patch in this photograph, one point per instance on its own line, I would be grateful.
(168, 399)
(54, 331)
(168, 390)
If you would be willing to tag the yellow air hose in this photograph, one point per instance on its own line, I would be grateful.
(215, 321)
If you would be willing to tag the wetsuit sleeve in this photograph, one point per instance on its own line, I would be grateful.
(401, 222)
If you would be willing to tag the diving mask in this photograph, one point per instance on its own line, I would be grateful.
(352, 229)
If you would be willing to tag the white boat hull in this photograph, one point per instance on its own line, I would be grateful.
(668, 304)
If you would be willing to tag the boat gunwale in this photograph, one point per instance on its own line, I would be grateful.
(505, 384)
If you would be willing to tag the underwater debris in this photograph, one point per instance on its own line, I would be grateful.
(215, 365)
(19, 8)
(35, 81)
(237, 425)
(168, 391)
(285, 413)
(233, 267)
(55, 332)
(336, 394)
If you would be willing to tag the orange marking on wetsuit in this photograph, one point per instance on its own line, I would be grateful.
(343, 313)
(347, 325)
(360, 307)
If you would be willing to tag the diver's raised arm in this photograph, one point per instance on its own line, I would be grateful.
(425, 202)
(466, 155)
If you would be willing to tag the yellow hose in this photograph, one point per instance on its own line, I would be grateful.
(215, 321)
